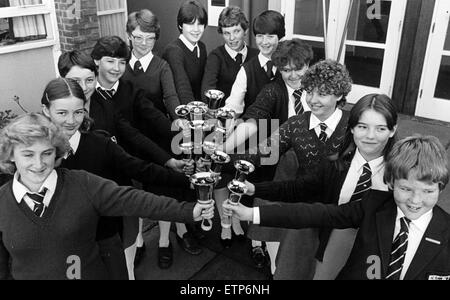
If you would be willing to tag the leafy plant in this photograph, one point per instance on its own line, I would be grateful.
(5, 117)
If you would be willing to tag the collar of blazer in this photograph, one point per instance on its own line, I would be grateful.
(385, 221)
(437, 231)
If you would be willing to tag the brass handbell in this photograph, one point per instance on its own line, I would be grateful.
(219, 159)
(204, 186)
(237, 190)
(243, 169)
(215, 98)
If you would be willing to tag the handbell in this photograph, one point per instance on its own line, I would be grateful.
(215, 98)
(219, 159)
(204, 186)
(197, 110)
(237, 190)
(208, 150)
(223, 115)
(198, 129)
(182, 111)
(243, 169)
(187, 154)
(187, 151)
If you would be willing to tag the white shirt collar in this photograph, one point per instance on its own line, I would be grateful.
(421, 223)
(115, 87)
(292, 101)
(375, 164)
(189, 44)
(19, 190)
(145, 61)
(74, 141)
(233, 53)
(262, 60)
(290, 90)
(332, 122)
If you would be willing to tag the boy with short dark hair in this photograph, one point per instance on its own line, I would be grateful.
(225, 61)
(187, 54)
(402, 233)
(111, 55)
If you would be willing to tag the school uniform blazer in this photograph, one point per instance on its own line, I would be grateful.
(323, 186)
(108, 117)
(375, 217)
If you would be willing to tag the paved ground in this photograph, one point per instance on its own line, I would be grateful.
(217, 263)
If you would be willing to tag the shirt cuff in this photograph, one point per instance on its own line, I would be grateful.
(256, 216)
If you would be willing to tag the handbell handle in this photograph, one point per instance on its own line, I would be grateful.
(206, 225)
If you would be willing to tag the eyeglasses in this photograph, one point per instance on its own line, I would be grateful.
(141, 39)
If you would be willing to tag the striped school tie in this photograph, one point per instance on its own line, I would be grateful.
(399, 247)
(106, 94)
(38, 200)
(323, 137)
(364, 184)
(298, 102)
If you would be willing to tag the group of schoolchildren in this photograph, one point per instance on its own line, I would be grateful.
(346, 200)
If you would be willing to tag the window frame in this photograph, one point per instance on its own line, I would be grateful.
(48, 11)
(103, 13)
(391, 52)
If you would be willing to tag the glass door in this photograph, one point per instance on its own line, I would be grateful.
(434, 92)
(372, 42)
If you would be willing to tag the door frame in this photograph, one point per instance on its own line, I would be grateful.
(429, 106)
(391, 52)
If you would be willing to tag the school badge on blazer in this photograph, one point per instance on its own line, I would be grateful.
(439, 277)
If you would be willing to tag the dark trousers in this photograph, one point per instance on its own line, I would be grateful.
(113, 256)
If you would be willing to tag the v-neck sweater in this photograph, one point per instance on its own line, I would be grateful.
(44, 248)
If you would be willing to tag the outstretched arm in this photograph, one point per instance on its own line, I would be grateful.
(109, 199)
(300, 215)
(145, 172)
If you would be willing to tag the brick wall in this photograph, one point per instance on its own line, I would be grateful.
(77, 23)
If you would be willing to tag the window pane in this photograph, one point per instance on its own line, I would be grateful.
(15, 3)
(447, 39)
(319, 51)
(110, 4)
(22, 29)
(365, 65)
(369, 21)
(113, 24)
(309, 17)
(442, 87)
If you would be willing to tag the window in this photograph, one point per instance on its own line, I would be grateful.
(434, 95)
(112, 16)
(26, 24)
(365, 35)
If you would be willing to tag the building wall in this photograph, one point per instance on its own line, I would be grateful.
(167, 14)
(25, 74)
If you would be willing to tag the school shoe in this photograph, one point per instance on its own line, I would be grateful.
(165, 257)
(189, 244)
(140, 252)
(259, 257)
